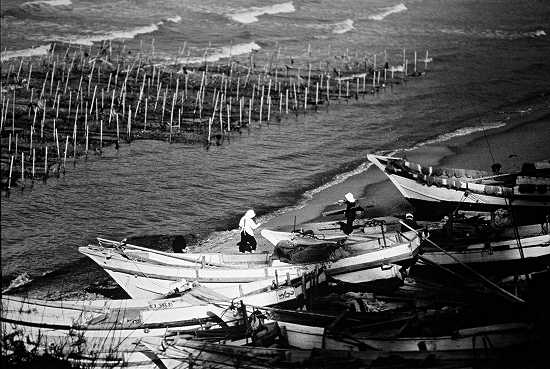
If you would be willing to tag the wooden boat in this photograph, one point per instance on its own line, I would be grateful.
(465, 342)
(181, 352)
(451, 188)
(100, 332)
(240, 260)
(364, 260)
(147, 280)
(532, 248)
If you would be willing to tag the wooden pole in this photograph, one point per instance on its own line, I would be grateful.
(45, 163)
(11, 171)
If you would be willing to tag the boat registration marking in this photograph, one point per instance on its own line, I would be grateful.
(161, 305)
(285, 294)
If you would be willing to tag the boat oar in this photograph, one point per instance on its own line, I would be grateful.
(502, 291)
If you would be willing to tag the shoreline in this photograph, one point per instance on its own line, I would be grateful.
(371, 186)
(468, 151)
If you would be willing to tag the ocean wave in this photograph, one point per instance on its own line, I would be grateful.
(48, 3)
(343, 27)
(465, 131)
(25, 53)
(174, 19)
(495, 34)
(20, 280)
(387, 11)
(225, 52)
(250, 15)
(88, 40)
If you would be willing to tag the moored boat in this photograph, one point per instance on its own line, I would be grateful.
(452, 188)
(147, 280)
(104, 332)
(359, 261)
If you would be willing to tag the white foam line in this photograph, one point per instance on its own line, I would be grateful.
(251, 15)
(174, 19)
(25, 53)
(343, 27)
(387, 11)
(458, 133)
(114, 35)
(49, 2)
(224, 52)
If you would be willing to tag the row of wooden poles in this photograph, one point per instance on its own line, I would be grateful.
(75, 101)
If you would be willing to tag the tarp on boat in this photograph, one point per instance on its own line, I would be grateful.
(305, 250)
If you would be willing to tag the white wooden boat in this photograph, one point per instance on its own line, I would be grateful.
(101, 332)
(240, 260)
(469, 342)
(471, 189)
(369, 256)
(147, 280)
(533, 248)
(179, 352)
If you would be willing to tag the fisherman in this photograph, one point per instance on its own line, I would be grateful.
(352, 207)
(247, 227)
(409, 220)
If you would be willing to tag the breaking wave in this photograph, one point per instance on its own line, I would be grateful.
(496, 34)
(387, 11)
(88, 40)
(21, 280)
(225, 52)
(343, 27)
(251, 15)
(174, 19)
(25, 53)
(458, 133)
(48, 3)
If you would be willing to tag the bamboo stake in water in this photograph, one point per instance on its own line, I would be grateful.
(117, 131)
(129, 127)
(65, 155)
(33, 160)
(11, 171)
(22, 170)
(45, 163)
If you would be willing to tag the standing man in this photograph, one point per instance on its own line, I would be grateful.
(247, 227)
(352, 207)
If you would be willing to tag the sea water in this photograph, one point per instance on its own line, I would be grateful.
(489, 62)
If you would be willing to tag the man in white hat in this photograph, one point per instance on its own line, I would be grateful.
(247, 227)
(352, 207)
(409, 220)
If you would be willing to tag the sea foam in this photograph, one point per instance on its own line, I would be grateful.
(387, 11)
(25, 53)
(20, 280)
(250, 15)
(88, 40)
(174, 19)
(225, 52)
(343, 27)
(465, 131)
(47, 3)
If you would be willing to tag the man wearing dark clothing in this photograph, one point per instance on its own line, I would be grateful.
(409, 220)
(352, 207)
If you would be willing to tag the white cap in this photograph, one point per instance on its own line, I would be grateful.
(349, 197)
(250, 214)
(409, 215)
